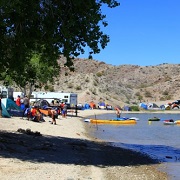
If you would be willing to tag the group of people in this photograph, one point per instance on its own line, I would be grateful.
(23, 103)
(61, 110)
(33, 112)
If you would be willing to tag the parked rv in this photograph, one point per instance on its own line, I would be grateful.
(6, 92)
(69, 98)
(17, 93)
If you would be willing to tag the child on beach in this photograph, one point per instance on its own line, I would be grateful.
(53, 115)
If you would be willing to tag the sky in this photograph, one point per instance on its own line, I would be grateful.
(142, 32)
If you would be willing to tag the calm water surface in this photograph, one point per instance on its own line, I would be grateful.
(153, 138)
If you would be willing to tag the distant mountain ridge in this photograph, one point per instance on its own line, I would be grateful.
(124, 84)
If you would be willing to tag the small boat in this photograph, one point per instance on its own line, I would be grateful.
(169, 122)
(154, 119)
(126, 118)
(135, 118)
(86, 120)
(112, 121)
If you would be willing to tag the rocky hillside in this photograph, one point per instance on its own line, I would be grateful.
(124, 84)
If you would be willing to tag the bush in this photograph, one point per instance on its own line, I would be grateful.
(165, 93)
(147, 94)
(87, 80)
(78, 87)
(134, 108)
(49, 88)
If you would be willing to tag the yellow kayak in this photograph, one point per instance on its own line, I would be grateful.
(128, 121)
(177, 121)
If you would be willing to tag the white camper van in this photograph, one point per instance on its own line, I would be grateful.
(69, 98)
(6, 92)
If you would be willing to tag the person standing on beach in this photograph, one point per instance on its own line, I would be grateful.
(61, 107)
(53, 116)
(26, 102)
(64, 112)
(18, 101)
(26, 105)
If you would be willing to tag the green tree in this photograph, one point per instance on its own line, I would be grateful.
(50, 28)
(35, 75)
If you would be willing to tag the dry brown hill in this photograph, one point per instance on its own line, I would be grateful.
(124, 84)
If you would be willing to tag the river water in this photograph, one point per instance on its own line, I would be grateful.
(159, 141)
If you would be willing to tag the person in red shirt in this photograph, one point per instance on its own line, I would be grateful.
(61, 107)
(18, 101)
(35, 114)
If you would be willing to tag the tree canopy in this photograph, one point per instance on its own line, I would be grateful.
(50, 28)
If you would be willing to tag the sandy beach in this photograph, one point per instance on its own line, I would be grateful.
(31, 150)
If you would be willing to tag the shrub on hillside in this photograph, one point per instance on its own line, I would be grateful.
(78, 88)
(134, 108)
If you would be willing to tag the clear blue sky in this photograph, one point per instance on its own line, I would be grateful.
(142, 32)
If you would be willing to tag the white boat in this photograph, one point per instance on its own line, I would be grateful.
(135, 118)
(169, 122)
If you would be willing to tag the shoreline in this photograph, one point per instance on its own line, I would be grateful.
(66, 151)
(152, 165)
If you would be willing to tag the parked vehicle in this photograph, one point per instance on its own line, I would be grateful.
(80, 106)
(175, 104)
(6, 92)
(69, 98)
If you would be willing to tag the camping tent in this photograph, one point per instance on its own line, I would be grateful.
(11, 107)
(92, 105)
(152, 106)
(42, 103)
(10, 104)
(86, 106)
(102, 105)
(127, 108)
(4, 111)
(143, 106)
(167, 107)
